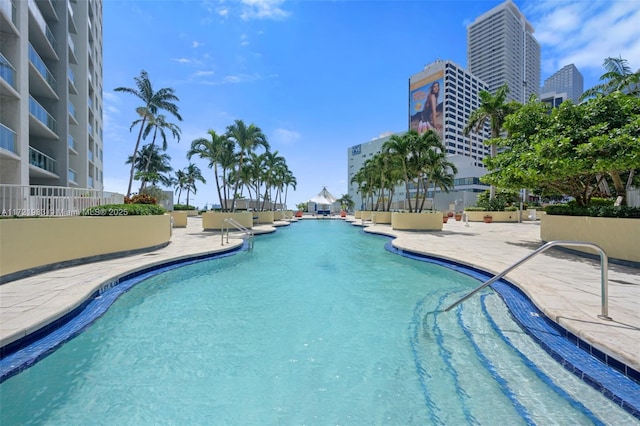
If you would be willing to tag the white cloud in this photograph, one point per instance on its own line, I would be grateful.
(197, 44)
(263, 9)
(203, 73)
(244, 40)
(182, 60)
(239, 78)
(285, 137)
(224, 12)
(585, 33)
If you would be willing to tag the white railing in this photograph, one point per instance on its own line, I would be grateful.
(18, 200)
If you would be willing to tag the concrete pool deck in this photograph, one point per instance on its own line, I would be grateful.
(565, 286)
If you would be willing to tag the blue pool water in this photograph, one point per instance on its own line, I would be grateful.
(317, 325)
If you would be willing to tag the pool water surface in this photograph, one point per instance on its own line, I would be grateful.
(318, 324)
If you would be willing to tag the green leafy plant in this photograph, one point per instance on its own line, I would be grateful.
(594, 211)
(123, 210)
(140, 199)
(183, 207)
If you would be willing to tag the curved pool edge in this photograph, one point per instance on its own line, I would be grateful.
(612, 378)
(23, 352)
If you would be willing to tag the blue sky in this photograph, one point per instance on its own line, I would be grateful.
(316, 76)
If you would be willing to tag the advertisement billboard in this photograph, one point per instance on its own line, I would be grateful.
(426, 100)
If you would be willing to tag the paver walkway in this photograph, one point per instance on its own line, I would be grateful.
(566, 287)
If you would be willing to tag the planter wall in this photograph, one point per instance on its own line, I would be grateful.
(357, 214)
(263, 217)
(619, 238)
(214, 221)
(179, 218)
(26, 244)
(496, 216)
(365, 214)
(381, 218)
(430, 221)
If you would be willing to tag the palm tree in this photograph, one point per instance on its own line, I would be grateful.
(494, 109)
(181, 183)
(152, 166)
(400, 147)
(153, 101)
(443, 175)
(218, 151)
(618, 77)
(346, 202)
(192, 174)
(289, 180)
(247, 139)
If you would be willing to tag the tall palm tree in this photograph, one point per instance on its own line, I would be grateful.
(180, 182)
(273, 162)
(618, 77)
(494, 109)
(192, 175)
(289, 181)
(247, 139)
(218, 151)
(153, 101)
(346, 202)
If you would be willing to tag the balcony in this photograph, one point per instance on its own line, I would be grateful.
(42, 70)
(90, 155)
(73, 119)
(90, 182)
(8, 139)
(72, 176)
(42, 23)
(90, 130)
(7, 72)
(8, 9)
(41, 161)
(72, 81)
(41, 114)
(73, 145)
(72, 21)
(72, 51)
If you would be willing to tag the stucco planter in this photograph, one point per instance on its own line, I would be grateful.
(495, 215)
(214, 221)
(179, 218)
(426, 221)
(38, 244)
(619, 238)
(191, 212)
(263, 217)
(357, 214)
(365, 214)
(383, 218)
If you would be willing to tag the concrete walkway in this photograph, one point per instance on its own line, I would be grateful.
(564, 286)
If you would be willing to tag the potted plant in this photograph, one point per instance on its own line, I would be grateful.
(445, 218)
(488, 218)
(458, 216)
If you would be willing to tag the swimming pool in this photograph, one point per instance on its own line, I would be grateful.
(317, 324)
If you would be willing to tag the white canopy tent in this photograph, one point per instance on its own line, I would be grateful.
(324, 202)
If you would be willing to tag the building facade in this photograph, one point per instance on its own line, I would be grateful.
(567, 81)
(501, 49)
(455, 100)
(51, 116)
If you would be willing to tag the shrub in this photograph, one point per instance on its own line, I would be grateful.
(183, 207)
(474, 209)
(594, 211)
(140, 199)
(595, 202)
(123, 210)
(511, 209)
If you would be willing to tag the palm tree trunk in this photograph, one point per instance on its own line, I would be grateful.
(133, 158)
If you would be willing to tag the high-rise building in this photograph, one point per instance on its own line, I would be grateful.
(501, 49)
(51, 93)
(568, 80)
(441, 97)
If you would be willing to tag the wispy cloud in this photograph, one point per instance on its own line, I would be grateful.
(585, 33)
(196, 44)
(182, 60)
(239, 78)
(203, 73)
(285, 137)
(244, 40)
(263, 9)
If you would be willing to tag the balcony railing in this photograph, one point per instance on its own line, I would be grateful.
(90, 155)
(37, 15)
(90, 182)
(42, 115)
(42, 161)
(72, 77)
(39, 65)
(52, 200)
(7, 139)
(72, 143)
(72, 175)
(72, 45)
(90, 101)
(72, 110)
(9, 8)
(7, 72)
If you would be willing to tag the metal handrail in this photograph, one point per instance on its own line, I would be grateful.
(604, 274)
(240, 228)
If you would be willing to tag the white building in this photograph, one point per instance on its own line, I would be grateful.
(457, 99)
(501, 49)
(567, 81)
(51, 93)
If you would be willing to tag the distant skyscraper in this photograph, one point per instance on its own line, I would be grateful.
(51, 93)
(568, 80)
(442, 96)
(501, 49)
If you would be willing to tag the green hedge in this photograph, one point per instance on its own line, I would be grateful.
(183, 207)
(123, 210)
(475, 209)
(594, 211)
